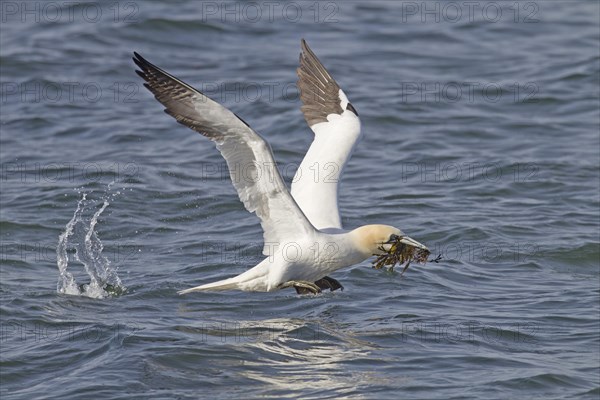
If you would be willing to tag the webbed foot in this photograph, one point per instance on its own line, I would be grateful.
(329, 283)
(302, 287)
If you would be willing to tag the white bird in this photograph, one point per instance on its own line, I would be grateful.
(304, 240)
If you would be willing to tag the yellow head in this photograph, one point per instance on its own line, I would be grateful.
(371, 239)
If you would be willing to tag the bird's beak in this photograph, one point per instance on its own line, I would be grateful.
(411, 242)
(388, 246)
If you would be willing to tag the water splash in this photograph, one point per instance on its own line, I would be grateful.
(88, 251)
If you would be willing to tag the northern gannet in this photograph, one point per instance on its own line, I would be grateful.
(303, 236)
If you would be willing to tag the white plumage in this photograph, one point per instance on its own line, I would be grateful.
(303, 235)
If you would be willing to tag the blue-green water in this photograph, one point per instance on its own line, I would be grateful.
(481, 140)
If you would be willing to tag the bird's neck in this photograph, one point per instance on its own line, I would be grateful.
(357, 244)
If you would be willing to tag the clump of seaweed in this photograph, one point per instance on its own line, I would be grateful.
(401, 253)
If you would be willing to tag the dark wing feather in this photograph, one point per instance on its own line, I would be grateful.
(252, 168)
(319, 92)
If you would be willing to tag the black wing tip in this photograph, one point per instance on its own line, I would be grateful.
(144, 64)
(351, 108)
(141, 63)
(142, 74)
(137, 58)
(305, 49)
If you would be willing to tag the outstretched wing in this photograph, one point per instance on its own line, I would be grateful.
(336, 126)
(252, 168)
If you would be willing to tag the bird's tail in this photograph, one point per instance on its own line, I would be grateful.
(252, 280)
(225, 284)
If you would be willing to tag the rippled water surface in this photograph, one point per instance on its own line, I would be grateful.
(481, 140)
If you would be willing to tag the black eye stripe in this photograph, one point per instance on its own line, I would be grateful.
(393, 238)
